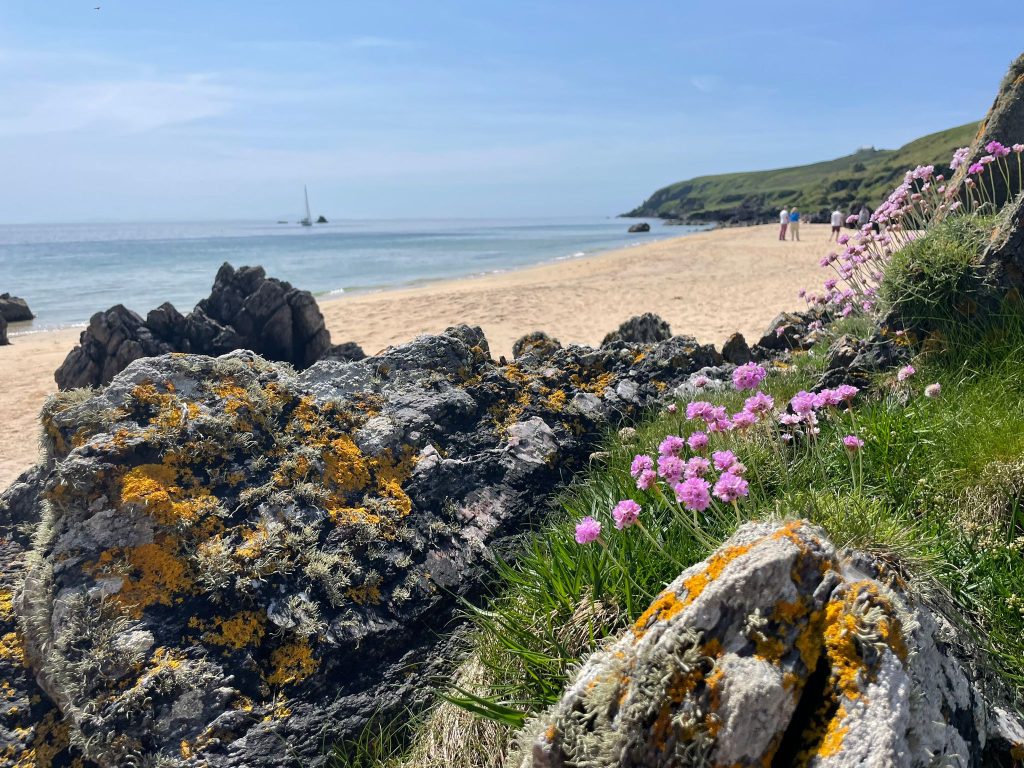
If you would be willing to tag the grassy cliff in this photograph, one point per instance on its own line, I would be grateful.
(865, 177)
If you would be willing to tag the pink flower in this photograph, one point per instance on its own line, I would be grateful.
(853, 443)
(646, 480)
(587, 530)
(933, 390)
(625, 513)
(731, 487)
(641, 464)
(722, 425)
(748, 376)
(960, 157)
(693, 494)
(778, 332)
(723, 460)
(670, 468)
(803, 402)
(696, 467)
(744, 420)
(759, 403)
(789, 419)
(976, 168)
(905, 373)
(846, 392)
(672, 445)
(700, 381)
(830, 397)
(698, 409)
(671, 408)
(698, 441)
(1018, 148)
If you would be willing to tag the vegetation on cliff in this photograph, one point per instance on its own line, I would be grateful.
(862, 178)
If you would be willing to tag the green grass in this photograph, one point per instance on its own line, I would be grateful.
(866, 176)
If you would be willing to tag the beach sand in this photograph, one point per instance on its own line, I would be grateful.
(706, 285)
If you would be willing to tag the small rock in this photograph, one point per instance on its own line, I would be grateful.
(13, 309)
(537, 344)
(735, 350)
(643, 226)
(642, 329)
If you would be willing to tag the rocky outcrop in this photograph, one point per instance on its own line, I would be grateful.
(346, 353)
(790, 331)
(237, 563)
(1003, 123)
(643, 226)
(778, 650)
(642, 329)
(736, 351)
(13, 309)
(536, 345)
(3, 332)
(245, 310)
(854, 361)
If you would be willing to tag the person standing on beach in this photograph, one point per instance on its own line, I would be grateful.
(794, 224)
(837, 224)
(783, 223)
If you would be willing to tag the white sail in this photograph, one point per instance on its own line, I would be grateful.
(308, 221)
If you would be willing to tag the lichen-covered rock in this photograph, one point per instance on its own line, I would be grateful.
(14, 309)
(736, 351)
(235, 559)
(776, 650)
(347, 352)
(789, 331)
(537, 344)
(642, 329)
(854, 361)
(245, 310)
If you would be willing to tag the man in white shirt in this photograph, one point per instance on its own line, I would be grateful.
(783, 223)
(837, 223)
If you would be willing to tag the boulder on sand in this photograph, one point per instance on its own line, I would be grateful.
(643, 226)
(642, 329)
(13, 309)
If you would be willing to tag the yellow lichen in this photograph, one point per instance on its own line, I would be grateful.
(292, 663)
(367, 593)
(6, 603)
(344, 466)
(158, 487)
(243, 629)
(153, 574)
(12, 649)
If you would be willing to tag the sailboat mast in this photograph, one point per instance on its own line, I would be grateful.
(309, 217)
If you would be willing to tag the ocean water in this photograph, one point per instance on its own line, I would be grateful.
(67, 272)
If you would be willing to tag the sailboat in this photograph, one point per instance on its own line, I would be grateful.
(308, 221)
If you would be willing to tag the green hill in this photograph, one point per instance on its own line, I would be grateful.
(865, 177)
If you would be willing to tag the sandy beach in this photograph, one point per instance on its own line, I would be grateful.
(707, 285)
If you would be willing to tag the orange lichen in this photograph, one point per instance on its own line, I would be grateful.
(556, 400)
(344, 466)
(664, 607)
(809, 640)
(832, 741)
(292, 663)
(367, 593)
(12, 649)
(6, 603)
(153, 574)
(243, 629)
(159, 488)
(352, 516)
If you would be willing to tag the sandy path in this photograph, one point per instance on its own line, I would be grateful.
(707, 285)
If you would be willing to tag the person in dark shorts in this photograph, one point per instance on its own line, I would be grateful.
(837, 224)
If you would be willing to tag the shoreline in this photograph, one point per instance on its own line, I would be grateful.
(706, 284)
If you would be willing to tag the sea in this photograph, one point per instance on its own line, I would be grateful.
(67, 272)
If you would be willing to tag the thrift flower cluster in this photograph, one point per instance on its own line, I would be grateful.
(923, 198)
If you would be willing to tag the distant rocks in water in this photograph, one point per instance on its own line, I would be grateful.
(321, 220)
(245, 310)
(643, 226)
(261, 556)
(736, 351)
(780, 650)
(13, 309)
(642, 329)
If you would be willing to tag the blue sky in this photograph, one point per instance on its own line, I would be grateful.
(186, 109)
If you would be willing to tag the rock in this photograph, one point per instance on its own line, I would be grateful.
(537, 344)
(777, 650)
(13, 309)
(347, 352)
(736, 351)
(245, 310)
(790, 331)
(321, 220)
(3, 332)
(1003, 123)
(232, 556)
(854, 361)
(642, 329)
(643, 226)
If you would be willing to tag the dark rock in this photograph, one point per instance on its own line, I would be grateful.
(245, 310)
(779, 646)
(642, 329)
(347, 352)
(235, 556)
(854, 361)
(537, 344)
(790, 331)
(643, 226)
(736, 351)
(321, 220)
(3, 332)
(1003, 123)
(13, 309)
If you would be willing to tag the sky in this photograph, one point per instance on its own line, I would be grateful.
(191, 109)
